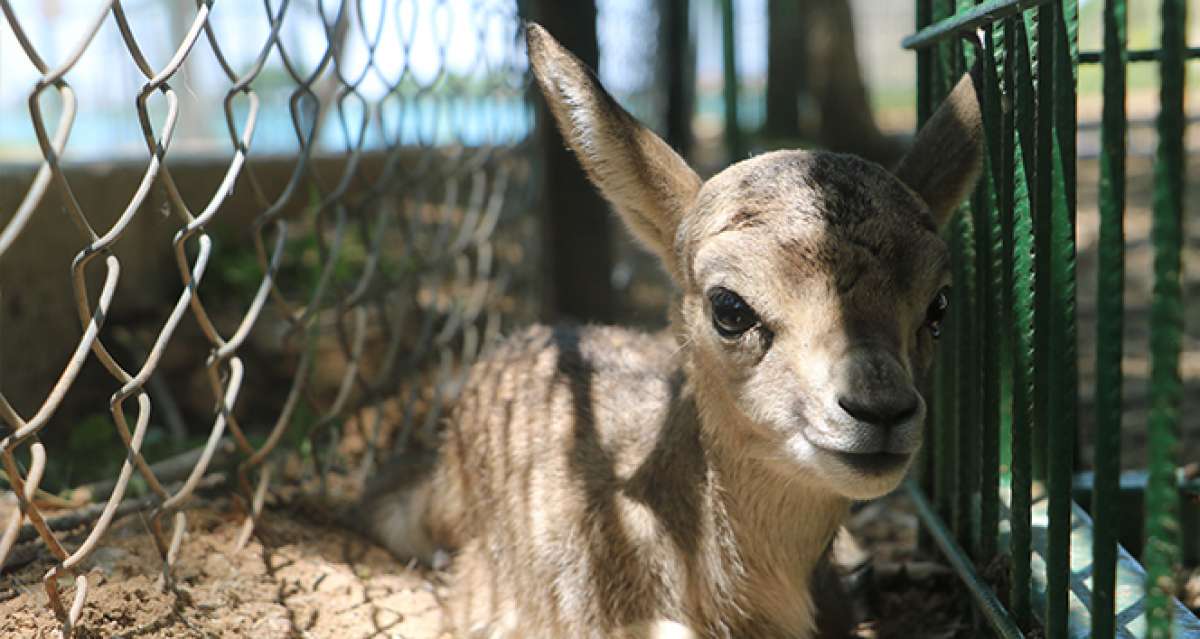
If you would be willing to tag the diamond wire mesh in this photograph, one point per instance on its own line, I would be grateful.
(416, 229)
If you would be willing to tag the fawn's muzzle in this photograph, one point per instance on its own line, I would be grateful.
(873, 388)
(875, 408)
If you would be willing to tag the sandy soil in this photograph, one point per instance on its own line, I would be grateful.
(297, 578)
(303, 577)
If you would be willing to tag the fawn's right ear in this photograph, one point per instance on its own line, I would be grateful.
(646, 181)
(947, 155)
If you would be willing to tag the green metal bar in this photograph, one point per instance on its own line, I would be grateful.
(733, 130)
(924, 11)
(1058, 40)
(1166, 323)
(1022, 279)
(967, 379)
(945, 395)
(967, 291)
(1139, 55)
(1132, 499)
(1040, 27)
(946, 63)
(1002, 44)
(924, 66)
(967, 21)
(1041, 68)
(991, 284)
(987, 304)
(947, 460)
(1109, 323)
(993, 610)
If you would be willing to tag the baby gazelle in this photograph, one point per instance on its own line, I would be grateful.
(598, 482)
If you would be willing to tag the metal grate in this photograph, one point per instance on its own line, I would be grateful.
(381, 260)
(1000, 474)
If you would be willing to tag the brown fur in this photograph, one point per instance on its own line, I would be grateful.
(597, 482)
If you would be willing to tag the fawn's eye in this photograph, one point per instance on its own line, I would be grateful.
(731, 315)
(937, 312)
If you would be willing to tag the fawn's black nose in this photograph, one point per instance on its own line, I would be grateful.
(873, 388)
(889, 410)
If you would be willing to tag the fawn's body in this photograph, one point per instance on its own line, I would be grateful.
(597, 482)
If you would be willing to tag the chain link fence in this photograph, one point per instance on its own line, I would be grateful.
(327, 196)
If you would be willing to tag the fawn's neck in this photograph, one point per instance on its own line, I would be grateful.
(781, 523)
(778, 519)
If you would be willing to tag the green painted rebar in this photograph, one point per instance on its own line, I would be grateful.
(991, 287)
(733, 130)
(1038, 156)
(1019, 154)
(992, 609)
(1139, 55)
(924, 66)
(1131, 619)
(1002, 237)
(967, 347)
(945, 54)
(1015, 276)
(968, 21)
(947, 460)
(1109, 324)
(1056, 103)
(945, 396)
(988, 289)
(924, 11)
(968, 288)
(1166, 323)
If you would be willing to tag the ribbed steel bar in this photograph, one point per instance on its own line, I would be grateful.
(1110, 312)
(1041, 122)
(966, 347)
(1166, 324)
(1136, 55)
(983, 14)
(1002, 156)
(998, 618)
(990, 246)
(924, 65)
(929, 453)
(949, 391)
(967, 291)
(1131, 619)
(1023, 280)
(1057, 30)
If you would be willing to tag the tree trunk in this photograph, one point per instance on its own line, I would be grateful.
(786, 69)
(812, 60)
(846, 122)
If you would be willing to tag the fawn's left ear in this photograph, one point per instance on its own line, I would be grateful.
(947, 155)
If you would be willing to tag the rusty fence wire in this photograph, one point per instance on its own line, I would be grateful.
(370, 267)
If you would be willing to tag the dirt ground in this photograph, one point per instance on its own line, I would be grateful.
(300, 576)
(296, 578)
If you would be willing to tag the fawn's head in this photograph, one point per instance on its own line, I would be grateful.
(812, 284)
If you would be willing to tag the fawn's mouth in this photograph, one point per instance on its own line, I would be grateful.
(871, 464)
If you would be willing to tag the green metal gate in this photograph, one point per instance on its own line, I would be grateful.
(1000, 470)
